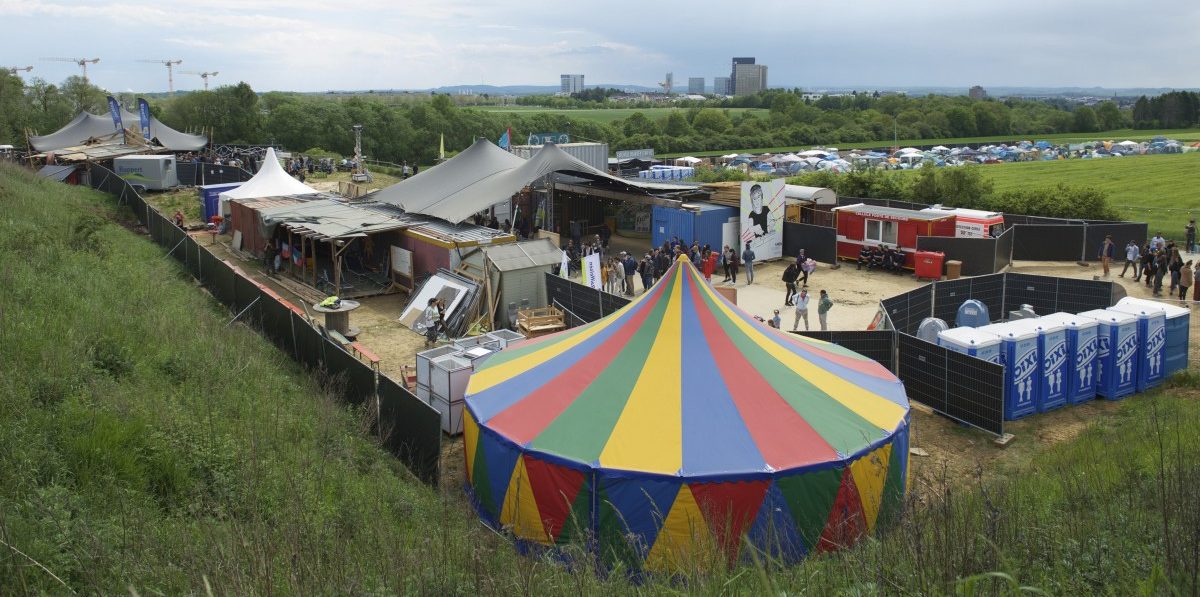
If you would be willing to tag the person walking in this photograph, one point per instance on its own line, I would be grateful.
(801, 303)
(823, 307)
(1146, 258)
(789, 281)
(708, 264)
(646, 267)
(1196, 287)
(1189, 234)
(630, 270)
(1175, 267)
(1108, 250)
(809, 266)
(1161, 265)
(725, 262)
(733, 264)
(1132, 257)
(1186, 276)
(1158, 243)
(748, 260)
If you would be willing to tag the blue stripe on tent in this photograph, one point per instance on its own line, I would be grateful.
(643, 504)
(501, 457)
(496, 399)
(774, 529)
(715, 438)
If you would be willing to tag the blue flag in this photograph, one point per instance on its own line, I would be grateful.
(144, 115)
(505, 139)
(115, 109)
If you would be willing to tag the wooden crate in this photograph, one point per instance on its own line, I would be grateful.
(540, 321)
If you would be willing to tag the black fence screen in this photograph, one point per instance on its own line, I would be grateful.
(978, 255)
(877, 345)
(949, 295)
(907, 310)
(582, 303)
(1121, 232)
(1061, 242)
(349, 377)
(192, 174)
(410, 429)
(958, 386)
(1049, 294)
(1004, 250)
(819, 242)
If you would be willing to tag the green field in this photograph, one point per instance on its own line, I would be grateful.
(603, 116)
(147, 447)
(1184, 135)
(1162, 190)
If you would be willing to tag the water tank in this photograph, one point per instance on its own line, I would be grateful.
(972, 314)
(930, 328)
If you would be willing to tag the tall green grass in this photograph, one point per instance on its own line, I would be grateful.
(145, 446)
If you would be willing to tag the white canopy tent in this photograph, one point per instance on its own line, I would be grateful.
(269, 181)
(87, 126)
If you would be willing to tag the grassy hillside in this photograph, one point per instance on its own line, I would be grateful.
(1143, 188)
(145, 446)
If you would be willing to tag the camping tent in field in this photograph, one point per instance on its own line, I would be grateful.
(91, 126)
(679, 424)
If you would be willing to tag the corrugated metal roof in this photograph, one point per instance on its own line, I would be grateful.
(56, 172)
(524, 255)
(330, 219)
(891, 212)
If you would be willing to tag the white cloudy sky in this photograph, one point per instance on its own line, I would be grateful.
(312, 45)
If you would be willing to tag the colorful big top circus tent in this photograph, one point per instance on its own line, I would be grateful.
(679, 423)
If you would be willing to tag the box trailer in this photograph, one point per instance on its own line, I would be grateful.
(153, 172)
(862, 225)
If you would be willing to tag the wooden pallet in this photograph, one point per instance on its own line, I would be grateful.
(540, 321)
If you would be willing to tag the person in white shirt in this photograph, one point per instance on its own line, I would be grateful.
(1158, 243)
(801, 301)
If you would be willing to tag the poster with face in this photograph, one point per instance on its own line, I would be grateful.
(762, 218)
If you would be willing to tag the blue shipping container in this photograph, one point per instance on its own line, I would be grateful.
(1178, 322)
(1152, 339)
(1083, 347)
(1116, 359)
(703, 225)
(210, 197)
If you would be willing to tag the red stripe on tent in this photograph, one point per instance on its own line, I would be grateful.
(783, 437)
(524, 420)
(554, 489)
(728, 508)
(846, 523)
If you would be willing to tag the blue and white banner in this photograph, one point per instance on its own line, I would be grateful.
(115, 109)
(144, 115)
(505, 139)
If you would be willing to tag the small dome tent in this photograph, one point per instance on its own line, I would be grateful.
(679, 422)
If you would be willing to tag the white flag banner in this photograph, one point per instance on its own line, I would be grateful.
(565, 267)
(591, 271)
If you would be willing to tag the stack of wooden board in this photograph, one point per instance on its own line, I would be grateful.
(540, 321)
(724, 193)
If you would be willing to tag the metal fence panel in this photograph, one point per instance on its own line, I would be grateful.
(877, 345)
(922, 368)
(1122, 233)
(989, 290)
(411, 429)
(948, 296)
(1004, 250)
(247, 301)
(310, 346)
(819, 242)
(978, 255)
(350, 378)
(1076, 296)
(277, 325)
(958, 386)
(1040, 292)
(1061, 242)
(219, 280)
(583, 303)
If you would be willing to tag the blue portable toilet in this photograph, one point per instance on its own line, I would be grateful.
(1178, 324)
(1152, 339)
(1019, 355)
(972, 314)
(210, 197)
(1116, 359)
(1052, 359)
(1083, 346)
(971, 341)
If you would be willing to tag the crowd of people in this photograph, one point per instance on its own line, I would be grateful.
(882, 257)
(1157, 262)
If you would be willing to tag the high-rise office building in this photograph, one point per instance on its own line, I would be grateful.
(749, 79)
(721, 86)
(696, 85)
(977, 92)
(733, 72)
(571, 84)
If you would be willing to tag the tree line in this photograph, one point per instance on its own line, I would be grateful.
(1177, 109)
(398, 129)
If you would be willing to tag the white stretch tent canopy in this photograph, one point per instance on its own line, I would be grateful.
(484, 175)
(88, 126)
(818, 195)
(270, 181)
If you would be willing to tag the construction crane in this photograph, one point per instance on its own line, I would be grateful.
(82, 62)
(170, 72)
(16, 69)
(204, 76)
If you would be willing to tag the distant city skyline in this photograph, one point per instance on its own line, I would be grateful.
(311, 45)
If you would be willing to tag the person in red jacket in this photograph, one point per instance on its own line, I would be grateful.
(708, 264)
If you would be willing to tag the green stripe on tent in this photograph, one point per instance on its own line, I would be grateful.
(582, 430)
(810, 497)
(579, 520)
(480, 482)
(839, 426)
(509, 354)
(613, 544)
(893, 490)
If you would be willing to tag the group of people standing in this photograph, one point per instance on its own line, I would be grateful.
(1155, 261)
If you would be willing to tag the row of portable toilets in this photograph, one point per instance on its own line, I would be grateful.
(1059, 359)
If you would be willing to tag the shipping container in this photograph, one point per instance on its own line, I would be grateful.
(592, 154)
(703, 223)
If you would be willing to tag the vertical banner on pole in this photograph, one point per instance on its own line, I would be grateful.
(144, 116)
(115, 109)
(591, 271)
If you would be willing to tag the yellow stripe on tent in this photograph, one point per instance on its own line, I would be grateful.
(682, 531)
(870, 475)
(520, 512)
(491, 376)
(881, 412)
(470, 441)
(649, 433)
